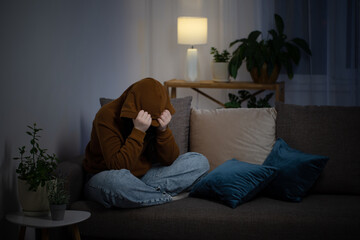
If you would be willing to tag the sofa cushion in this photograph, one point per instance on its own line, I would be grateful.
(316, 217)
(180, 121)
(73, 172)
(104, 101)
(329, 131)
(234, 182)
(247, 134)
(298, 171)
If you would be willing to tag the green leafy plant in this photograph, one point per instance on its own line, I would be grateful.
(219, 57)
(36, 167)
(259, 103)
(253, 102)
(275, 52)
(57, 193)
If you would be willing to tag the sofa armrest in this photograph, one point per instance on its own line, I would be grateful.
(73, 172)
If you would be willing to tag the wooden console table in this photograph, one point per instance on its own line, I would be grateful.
(176, 83)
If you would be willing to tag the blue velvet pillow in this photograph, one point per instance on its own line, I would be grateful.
(234, 182)
(298, 171)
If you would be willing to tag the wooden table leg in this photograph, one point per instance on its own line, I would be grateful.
(173, 92)
(44, 234)
(280, 92)
(76, 232)
(208, 96)
(22, 233)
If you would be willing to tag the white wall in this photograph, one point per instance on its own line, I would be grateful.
(57, 58)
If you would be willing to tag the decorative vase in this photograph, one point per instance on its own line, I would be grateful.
(33, 203)
(57, 211)
(264, 77)
(220, 71)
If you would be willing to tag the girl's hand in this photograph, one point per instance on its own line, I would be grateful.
(164, 120)
(142, 121)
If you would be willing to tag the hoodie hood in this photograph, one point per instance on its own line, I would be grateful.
(149, 95)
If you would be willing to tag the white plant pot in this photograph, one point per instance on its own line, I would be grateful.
(33, 203)
(220, 71)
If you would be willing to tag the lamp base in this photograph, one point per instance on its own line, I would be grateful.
(191, 71)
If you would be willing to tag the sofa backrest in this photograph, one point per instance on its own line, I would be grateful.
(325, 130)
(246, 134)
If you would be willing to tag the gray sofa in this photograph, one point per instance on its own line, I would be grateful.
(331, 210)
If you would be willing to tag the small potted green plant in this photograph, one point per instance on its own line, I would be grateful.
(219, 65)
(265, 58)
(34, 171)
(252, 102)
(58, 198)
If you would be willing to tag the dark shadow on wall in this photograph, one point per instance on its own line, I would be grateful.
(8, 194)
(71, 145)
(85, 129)
(66, 147)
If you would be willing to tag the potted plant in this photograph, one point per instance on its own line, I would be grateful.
(243, 95)
(265, 58)
(58, 198)
(219, 65)
(34, 172)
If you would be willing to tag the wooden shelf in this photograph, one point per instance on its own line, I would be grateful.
(178, 83)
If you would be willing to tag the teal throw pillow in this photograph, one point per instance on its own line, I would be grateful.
(234, 182)
(298, 171)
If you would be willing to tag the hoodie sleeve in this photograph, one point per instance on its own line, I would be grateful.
(167, 149)
(120, 153)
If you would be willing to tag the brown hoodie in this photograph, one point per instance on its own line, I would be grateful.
(116, 144)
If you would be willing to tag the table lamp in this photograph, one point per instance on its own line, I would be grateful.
(192, 31)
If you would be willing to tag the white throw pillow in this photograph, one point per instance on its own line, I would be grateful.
(247, 134)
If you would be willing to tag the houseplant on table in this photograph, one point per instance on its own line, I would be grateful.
(58, 198)
(265, 58)
(219, 65)
(34, 171)
(243, 95)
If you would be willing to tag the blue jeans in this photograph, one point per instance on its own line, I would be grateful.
(119, 188)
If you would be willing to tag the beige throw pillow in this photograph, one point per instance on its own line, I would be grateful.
(247, 134)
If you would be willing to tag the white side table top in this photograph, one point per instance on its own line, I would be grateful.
(70, 217)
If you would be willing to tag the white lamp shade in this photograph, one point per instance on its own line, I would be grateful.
(192, 30)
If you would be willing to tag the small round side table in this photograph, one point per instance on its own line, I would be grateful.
(71, 218)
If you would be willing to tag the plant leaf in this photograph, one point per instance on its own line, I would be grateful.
(273, 33)
(254, 35)
(235, 62)
(289, 69)
(302, 44)
(294, 52)
(232, 67)
(236, 41)
(279, 24)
